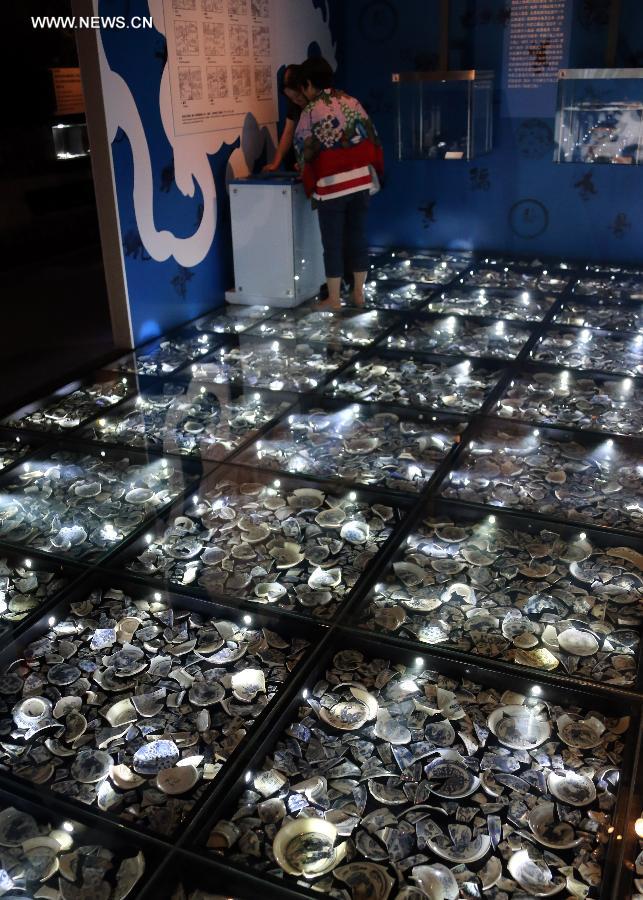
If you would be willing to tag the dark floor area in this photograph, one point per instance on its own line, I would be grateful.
(56, 323)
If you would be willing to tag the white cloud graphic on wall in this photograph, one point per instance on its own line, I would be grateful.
(298, 24)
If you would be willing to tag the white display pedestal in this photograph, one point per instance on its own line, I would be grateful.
(276, 243)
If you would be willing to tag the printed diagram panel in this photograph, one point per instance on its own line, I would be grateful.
(220, 64)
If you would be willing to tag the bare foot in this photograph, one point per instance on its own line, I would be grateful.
(328, 304)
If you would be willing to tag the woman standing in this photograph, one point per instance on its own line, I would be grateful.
(341, 160)
(296, 101)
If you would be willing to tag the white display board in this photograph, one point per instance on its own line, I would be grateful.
(220, 63)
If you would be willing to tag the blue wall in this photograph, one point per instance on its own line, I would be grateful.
(572, 210)
(162, 292)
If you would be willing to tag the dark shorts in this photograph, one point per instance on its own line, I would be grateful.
(342, 222)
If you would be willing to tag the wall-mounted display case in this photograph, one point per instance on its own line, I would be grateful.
(444, 115)
(599, 118)
(70, 140)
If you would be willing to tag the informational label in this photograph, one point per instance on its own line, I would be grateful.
(69, 91)
(537, 42)
(536, 48)
(220, 63)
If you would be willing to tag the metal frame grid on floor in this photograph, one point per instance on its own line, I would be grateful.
(184, 857)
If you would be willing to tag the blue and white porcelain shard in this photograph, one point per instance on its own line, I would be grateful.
(308, 847)
(519, 726)
(91, 766)
(153, 757)
(534, 875)
(28, 713)
(16, 827)
(572, 788)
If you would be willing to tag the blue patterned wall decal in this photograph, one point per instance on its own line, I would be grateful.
(173, 203)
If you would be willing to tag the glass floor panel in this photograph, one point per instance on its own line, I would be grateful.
(72, 405)
(83, 505)
(379, 449)
(326, 326)
(616, 286)
(502, 589)
(413, 381)
(522, 262)
(554, 473)
(200, 420)
(26, 584)
(60, 857)
(232, 319)
(168, 355)
(267, 541)
(435, 271)
(576, 401)
(395, 295)
(455, 335)
(508, 278)
(524, 306)
(165, 679)
(12, 448)
(609, 315)
(273, 365)
(586, 348)
(363, 744)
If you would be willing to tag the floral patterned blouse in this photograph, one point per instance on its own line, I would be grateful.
(337, 146)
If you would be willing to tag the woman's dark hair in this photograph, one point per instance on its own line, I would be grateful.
(291, 78)
(318, 72)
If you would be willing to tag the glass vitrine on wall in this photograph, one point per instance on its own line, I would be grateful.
(70, 140)
(444, 115)
(599, 118)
